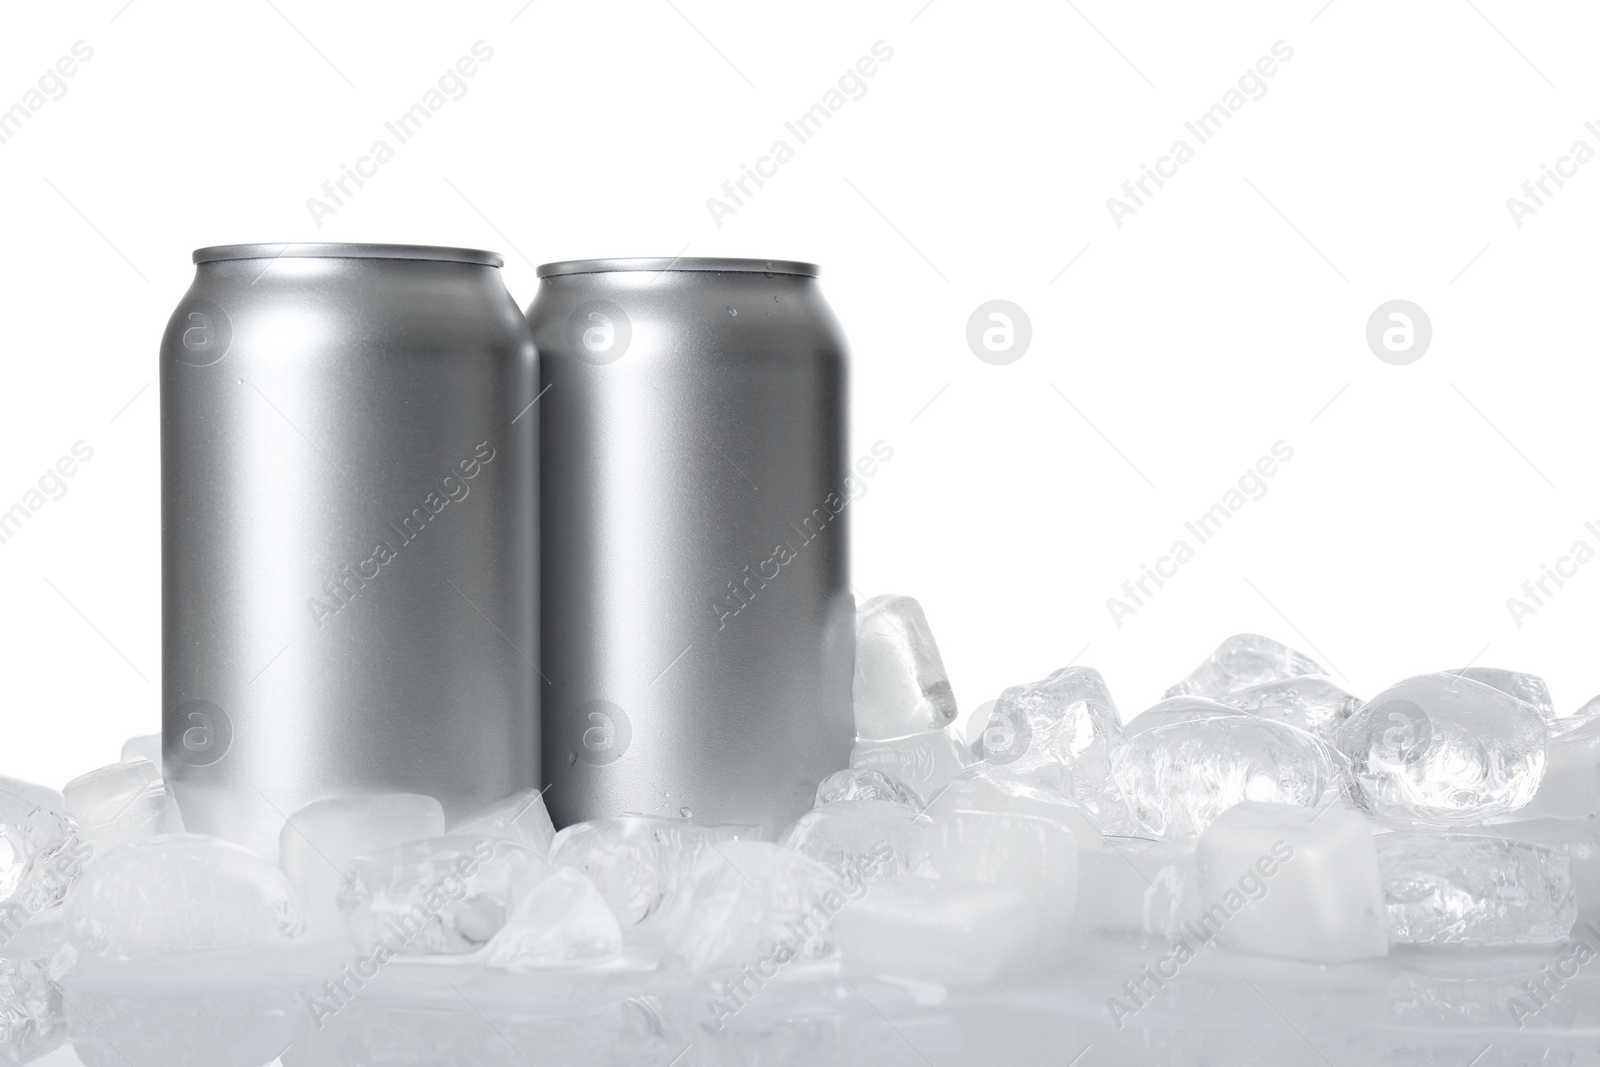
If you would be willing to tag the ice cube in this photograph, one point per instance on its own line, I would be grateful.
(864, 783)
(1591, 708)
(1137, 888)
(1242, 661)
(180, 893)
(1443, 750)
(146, 747)
(32, 1016)
(1312, 702)
(1181, 709)
(521, 817)
(752, 904)
(1460, 889)
(41, 856)
(925, 762)
(1578, 838)
(1528, 688)
(938, 930)
(320, 840)
(636, 860)
(561, 922)
(1180, 776)
(1292, 882)
(1570, 788)
(121, 803)
(900, 684)
(1037, 854)
(42, 796)
(982, 789)
(443, 896)
(1059, 719)
(859, 840)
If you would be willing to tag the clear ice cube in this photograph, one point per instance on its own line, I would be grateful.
(1311, 702)
(1292, 882)
(1180, 776)
(181, 893)
(1440, 750)
(1570, 788)
(1036, 854)
(1579, 839)
(521, 817)
(121, 803)
(986, 790)
(1137, 888)
(1242, 661)
(41, 856)
(1528, 688)
(938, 930)
(865, 783)
(636, 860)
(562, 921)
(752, 904)
(900, 683)
(1063, 718)
(1181, 709)
(320, 840)
(1470, 890)
(859, 840)
(145, 747)
(32, 1016)
(926, 762)
(439, 897)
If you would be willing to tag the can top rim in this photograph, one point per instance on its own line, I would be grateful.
(335, 250)
(681, 263)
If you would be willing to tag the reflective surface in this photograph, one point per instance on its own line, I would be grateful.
(348, 507)
(698, 623)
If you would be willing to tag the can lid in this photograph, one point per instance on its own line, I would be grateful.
(314, 250)
(680, 263)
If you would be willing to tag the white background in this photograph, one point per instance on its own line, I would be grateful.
(1225, 315)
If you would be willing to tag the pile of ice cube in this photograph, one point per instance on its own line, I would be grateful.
(1259, 808)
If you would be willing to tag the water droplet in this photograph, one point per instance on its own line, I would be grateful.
(734, 312)
(572, 757)
(687, 813)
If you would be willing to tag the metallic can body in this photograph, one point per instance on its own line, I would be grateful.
(348, 512)
(697, 620)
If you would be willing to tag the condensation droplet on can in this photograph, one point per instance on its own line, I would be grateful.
(687, 813)
(572, 757)
(733, 312)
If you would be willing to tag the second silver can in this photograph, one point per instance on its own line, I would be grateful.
(697, 619)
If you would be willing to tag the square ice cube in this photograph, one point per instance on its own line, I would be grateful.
(1137, 888)
(1471, 890)
(1286, 881)
(859, 840)
(925, 761)
(900, 683)
(939, 930)
(521, 817)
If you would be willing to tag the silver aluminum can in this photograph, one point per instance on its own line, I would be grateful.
(349, 530)
(698, 625)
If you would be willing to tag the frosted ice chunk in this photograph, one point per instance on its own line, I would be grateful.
(1242, 661)
(859, 840)
(900, 684)
(121, 803)
(41, 856)
(32, 1019)
(521, 817)
(752, 903)
(1570, 788)
(180, 893)
(1180, 776)
(1311, 702)
(561, 922)
(925, 762)
(1440, 750)
(439, 897)
(1528, 688)
(938, 930)
(1292, 882)
(1138, 888)
(1459, 889)
(320, 840)
(865, 783)
(146, 747)
(1578, 838)
(636, 860)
